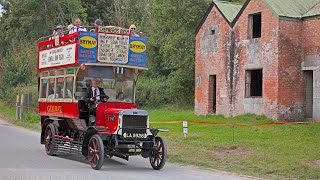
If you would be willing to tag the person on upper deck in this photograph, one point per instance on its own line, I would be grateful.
(70, 27)
(57, 31)
(97, 23)
(133, 30)
(77, 27)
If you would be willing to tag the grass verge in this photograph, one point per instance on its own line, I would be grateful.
(30, 120)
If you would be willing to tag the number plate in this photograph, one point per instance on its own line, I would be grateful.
(134, 135)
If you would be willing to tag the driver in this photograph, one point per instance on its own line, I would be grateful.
(95, 93)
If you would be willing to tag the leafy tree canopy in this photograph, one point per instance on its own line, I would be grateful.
(169, 26)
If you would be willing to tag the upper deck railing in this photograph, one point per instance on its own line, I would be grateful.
(110, 45)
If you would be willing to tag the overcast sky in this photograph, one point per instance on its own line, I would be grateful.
(0, 10)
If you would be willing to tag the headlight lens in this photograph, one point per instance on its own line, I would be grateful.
(92, 119)
(111, 118)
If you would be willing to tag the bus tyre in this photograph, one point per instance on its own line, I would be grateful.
(50, 132)
(158, 154)
(96, 152)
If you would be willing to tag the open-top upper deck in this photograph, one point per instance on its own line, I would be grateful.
(112, 46)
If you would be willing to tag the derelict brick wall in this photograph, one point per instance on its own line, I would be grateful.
(311, 44)
(210, 60)
(311, 38)
(285, 47)
(256, 54)
(291, 82)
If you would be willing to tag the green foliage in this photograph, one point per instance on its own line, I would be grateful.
(22, 23)
(32, 19)
(169, 26)
(170, 29)
(152, 92)
(18, 69)
(139, 14)
(101, 9)
(9, 95)
(181, 88)
(19, 65)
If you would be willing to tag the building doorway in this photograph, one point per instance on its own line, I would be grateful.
(213, 94)
(308, 89)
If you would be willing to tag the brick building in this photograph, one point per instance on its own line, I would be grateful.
(262, 57)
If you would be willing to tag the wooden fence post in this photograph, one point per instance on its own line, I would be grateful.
(22, 104)
(17, 107)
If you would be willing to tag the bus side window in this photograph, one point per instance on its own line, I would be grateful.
(51, 94)
(60, 87)
(44, 86)
(69, 87)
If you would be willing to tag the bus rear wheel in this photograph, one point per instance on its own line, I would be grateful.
(50, 132)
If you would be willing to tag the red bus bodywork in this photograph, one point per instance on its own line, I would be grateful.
(70, 109)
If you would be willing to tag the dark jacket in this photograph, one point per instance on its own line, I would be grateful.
(89, 94)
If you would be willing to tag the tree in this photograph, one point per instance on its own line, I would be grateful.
(170, 28)
(31, 19)
(168, 24)
(22, 23)
(121, 12)
(102, 9)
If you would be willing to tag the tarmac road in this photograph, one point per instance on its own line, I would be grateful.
(23, 157)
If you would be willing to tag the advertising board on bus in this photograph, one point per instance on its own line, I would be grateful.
(111, 45)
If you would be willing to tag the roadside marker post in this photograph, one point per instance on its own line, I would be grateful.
(185, 128)
(233, 134)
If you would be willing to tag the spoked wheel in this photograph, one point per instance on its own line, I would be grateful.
(49, 142)
(96, 152)
(159, 154)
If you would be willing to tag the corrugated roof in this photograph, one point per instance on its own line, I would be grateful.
(315, 11)
(228, 9)
(297, 9)
(294, 8)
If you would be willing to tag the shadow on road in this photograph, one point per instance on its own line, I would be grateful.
(114, 163)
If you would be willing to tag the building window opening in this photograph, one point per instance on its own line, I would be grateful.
(255, 25)
(254, 83)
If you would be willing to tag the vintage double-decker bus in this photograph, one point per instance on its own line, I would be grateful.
(75, 121)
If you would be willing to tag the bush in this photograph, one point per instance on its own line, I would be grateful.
(10, 94)
(31, 118)
(18, 73)
(176, 90)
(152, 92)
(181, 89)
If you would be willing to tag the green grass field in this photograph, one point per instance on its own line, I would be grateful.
(268, 151)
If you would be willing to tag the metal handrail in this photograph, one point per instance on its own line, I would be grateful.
(64, 32)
